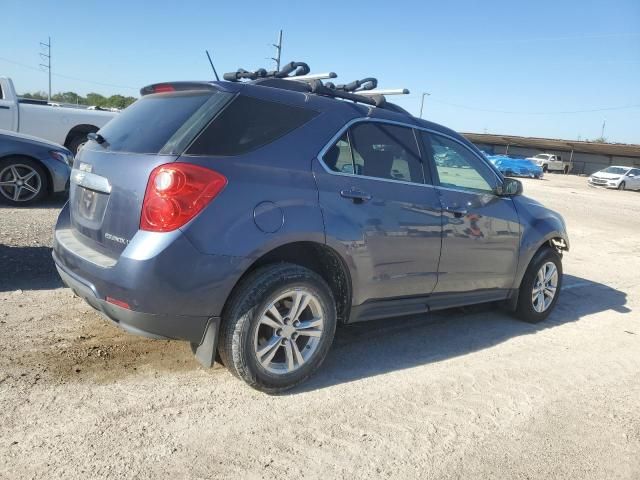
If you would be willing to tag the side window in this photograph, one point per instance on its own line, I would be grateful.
(386, 151)
(456, 166)
(246, 124)
(338, 158)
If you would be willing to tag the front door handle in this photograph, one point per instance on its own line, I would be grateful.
(358, 196)
(457, 211)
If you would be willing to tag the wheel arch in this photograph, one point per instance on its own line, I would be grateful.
(83, 128)
(317, 257)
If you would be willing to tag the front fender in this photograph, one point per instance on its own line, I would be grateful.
(540, 225)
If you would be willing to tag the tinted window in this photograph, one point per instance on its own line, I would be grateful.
(338, 158)
(386, 151)
(154, 120)
(246, 124)
(456, 166)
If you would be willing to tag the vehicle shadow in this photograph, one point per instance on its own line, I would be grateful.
(378, 347)
(54, 201)
(27, 268)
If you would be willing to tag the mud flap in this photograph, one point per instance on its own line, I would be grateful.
(206, 352)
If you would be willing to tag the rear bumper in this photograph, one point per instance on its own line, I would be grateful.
(178, 327)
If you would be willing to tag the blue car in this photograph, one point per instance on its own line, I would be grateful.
(516, 167)
(31, 168)
(250, 217)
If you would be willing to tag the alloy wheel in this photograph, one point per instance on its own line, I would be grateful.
(289, 331)
(544, 287)
(20, 182)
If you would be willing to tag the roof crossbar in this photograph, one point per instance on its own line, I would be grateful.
(388, 91)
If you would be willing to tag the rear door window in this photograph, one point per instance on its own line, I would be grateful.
(386, 151)
(161, 120)
(248, 123)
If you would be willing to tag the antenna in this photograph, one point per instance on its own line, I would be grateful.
(47, 58)
(212, 67)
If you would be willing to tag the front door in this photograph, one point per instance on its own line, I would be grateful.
(481, 232)
(376, 204)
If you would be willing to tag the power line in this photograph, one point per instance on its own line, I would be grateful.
(47, 58)
(8, 60)
(515, 112)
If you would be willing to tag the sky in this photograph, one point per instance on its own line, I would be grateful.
(557, 69)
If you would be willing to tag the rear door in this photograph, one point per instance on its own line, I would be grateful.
(8, 112)
(481, 232)
(109, 178)
(376, 203)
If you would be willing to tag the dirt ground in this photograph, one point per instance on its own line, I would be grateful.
(458, 394)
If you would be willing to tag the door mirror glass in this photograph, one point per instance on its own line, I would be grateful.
(510, 187)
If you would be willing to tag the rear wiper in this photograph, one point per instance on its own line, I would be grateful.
(96, 137)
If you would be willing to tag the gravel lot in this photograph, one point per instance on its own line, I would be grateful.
(466, 393)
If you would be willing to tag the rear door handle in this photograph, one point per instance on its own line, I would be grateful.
(457, 211)
(358, 196)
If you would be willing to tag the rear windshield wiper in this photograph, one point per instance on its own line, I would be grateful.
(96, 137)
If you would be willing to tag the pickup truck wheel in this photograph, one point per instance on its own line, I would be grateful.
(545, 168)
(278, 327)
(540, 287)
(22, 181)
(566, 169)
(77, 142)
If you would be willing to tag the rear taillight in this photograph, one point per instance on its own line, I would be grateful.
(176, 192)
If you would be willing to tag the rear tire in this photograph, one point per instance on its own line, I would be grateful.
(77, 142)
(264, 341)
(566, 169)
(534, 307)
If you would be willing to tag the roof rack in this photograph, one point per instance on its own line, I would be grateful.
(360, 91)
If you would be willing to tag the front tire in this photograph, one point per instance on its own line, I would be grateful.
(545, 168)
(540, 287)
(622, 186)
(278, 327)
(23, 181)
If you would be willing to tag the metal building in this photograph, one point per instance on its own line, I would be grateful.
(587, 157)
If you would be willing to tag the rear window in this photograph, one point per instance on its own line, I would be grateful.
(246, 124)
(162, 123)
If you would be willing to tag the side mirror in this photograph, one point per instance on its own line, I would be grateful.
(510, 187)
(630, 175)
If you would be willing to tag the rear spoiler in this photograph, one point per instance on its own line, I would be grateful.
(175, 87)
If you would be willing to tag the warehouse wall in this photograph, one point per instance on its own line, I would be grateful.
(583, 163)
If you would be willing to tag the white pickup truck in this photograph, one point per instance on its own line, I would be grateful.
(551, 162)
(63, 125)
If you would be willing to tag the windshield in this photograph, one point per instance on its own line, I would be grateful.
(162, 123)
(616, 170)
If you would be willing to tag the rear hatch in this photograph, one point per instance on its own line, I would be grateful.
(111, 171)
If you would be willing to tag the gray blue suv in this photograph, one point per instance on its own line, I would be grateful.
(250, 217)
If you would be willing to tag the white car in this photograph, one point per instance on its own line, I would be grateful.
(53, 122)
(622, 178)
(550, 162)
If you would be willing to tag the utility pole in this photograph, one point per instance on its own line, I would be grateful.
(422, 102)
(47, 58)
(278, 47)
(604, 122)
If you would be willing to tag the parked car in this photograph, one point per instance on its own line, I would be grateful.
(65, 126)
(516, 167)
(622, 178)
(551, 163)
(251, 218)
(31, 168)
